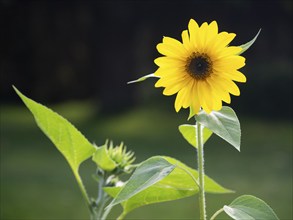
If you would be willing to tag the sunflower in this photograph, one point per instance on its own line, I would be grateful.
(202, 69)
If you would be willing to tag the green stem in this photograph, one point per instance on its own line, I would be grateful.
(84, 193)
(200, 160)
(100, 213)
(100, 190)
(94, 216)
(106, 213)
(217, 213)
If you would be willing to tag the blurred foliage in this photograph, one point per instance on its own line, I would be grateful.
(36, 182)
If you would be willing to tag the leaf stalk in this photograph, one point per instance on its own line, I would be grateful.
(216, 214)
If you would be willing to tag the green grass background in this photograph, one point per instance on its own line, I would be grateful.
(37, 183)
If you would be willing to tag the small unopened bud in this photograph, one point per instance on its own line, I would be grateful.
(110, 158)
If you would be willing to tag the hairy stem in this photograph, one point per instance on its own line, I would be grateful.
(200, 160)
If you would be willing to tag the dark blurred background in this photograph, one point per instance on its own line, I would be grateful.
(60, 50)
(77, 56)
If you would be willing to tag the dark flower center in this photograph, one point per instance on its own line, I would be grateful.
(199, 66)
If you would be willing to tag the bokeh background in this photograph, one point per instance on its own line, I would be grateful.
(77, 56)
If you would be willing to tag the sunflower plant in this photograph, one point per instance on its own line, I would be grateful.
(202, 71)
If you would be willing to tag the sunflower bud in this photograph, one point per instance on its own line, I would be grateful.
(113, 159)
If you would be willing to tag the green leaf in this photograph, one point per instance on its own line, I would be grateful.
(103, 160)
(67, 139)
(178, 184)
(148, 173)
(179, 178)
(189, 133)
(152, 75)
(224, 123)
(249, 44)
(249, 207)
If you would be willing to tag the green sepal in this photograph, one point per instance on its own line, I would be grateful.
(143, 78)
(102, 159)
(248, 44)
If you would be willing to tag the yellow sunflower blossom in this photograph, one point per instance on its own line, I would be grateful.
(201, 69)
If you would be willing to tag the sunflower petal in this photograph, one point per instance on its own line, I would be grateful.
(217, 102)
(169, 62)
(188, 95)
(223, 39)
(213, 27)
(193, 29)
(202, 94)
(233, 88)
(221, 92)
(178, 101)
(202, 37)
(163, 71)
(208, 97)
(174, 43)
(185, 40)
(183, 99)
(229, 63)
(212, 33)
(229, 51)
(195, 107)
(170, 51)
(230, 86)
(195, 102)
(173, 88)
(235, 76)
(175, 78)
